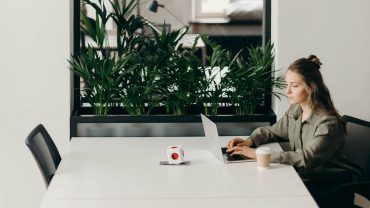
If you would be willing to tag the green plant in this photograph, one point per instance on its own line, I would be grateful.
(107, 72)
(102, 78)
(140, 72)
(250, 78)
(95, 65)
(212, 89)
(139, 87)
(129, 26)
(138, 84)
(179, 71)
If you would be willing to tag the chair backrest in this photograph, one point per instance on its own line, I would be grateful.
(357, 144)
(44, 151)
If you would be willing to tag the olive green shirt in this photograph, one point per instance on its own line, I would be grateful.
(316, 143)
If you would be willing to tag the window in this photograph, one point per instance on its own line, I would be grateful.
(209, 8)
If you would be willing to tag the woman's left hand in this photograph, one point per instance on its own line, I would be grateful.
(243, 150)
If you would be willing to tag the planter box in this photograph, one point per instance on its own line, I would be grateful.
(164, 125)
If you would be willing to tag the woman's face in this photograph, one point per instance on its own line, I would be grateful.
(295, 90)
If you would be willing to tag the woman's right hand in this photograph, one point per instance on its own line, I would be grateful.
(234, 142)
(238, 142)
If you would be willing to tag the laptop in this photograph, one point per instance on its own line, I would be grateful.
(214, 145)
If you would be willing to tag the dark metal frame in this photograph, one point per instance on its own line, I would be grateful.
(75, 96)
(76, 119)
(266, 36)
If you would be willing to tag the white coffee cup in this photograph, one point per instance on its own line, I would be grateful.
(263, 157)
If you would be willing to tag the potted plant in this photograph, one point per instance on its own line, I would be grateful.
(250, 78)
(102, 78)
(141, 74)
(212, 92)
(179, 71)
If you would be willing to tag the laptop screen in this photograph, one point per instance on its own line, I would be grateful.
(211, 134)
(214, 145)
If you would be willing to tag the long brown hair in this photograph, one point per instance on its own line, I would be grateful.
(318, 93)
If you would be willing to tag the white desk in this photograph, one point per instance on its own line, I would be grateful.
(125, 172)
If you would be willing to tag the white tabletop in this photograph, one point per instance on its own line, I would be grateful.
(118, 172)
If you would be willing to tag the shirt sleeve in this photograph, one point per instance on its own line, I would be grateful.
(273, 133)
(326, 141)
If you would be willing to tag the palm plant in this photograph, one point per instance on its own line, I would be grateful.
(108, 72)
(102, 78)
(129, 26)
(139, 86)
(96, 28)
(212, 91)
(144, 72)
(178, 70)
(250, 78)
(95, 65)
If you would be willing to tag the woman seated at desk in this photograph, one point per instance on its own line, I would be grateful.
(312, 126)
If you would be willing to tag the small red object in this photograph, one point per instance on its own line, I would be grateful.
(175, 156)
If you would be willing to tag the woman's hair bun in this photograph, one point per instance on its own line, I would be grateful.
(315, 60)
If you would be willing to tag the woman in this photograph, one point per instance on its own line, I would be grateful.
(312, 126)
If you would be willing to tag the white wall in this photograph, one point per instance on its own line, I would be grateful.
(338, 33)
(34, 88)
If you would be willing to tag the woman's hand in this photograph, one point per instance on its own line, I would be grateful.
(234, 142)
(243, 150)
(238, 142)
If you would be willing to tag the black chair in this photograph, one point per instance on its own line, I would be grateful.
(357, 151)
(44, 151)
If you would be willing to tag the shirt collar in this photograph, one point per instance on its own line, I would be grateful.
(296, 113)
(313, 118)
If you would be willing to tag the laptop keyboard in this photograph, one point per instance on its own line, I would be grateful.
(231, 157)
